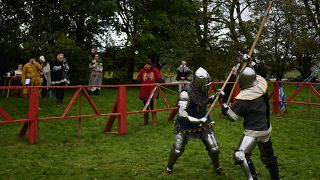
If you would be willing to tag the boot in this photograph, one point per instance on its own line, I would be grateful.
(167, 172)
(214, 156)
(145, 118)
(219, 171)
(269, 159)
(97, 92)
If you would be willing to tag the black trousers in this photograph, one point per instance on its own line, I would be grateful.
(60, 91)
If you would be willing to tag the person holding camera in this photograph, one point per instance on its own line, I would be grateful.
(60, 76)
(31, 74)
(96, 75)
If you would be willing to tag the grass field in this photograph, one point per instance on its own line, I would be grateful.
(65, 152)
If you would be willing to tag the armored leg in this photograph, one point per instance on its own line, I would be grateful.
(242, 156)
(176, 150)
(211, 144)
(268, 158)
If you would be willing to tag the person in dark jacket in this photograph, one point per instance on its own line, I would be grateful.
(60, 76)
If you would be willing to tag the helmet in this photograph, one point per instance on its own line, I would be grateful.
(247, 78)
(201, 80)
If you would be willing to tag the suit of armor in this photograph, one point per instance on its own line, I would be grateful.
(192, 123)
(253, 105)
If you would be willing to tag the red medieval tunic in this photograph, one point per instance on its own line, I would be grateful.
(147, 76)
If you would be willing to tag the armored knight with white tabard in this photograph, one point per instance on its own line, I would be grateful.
(252, 103)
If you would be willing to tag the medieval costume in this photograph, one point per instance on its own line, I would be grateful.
(252, 103)
(96, 76)
(148, 75)
(31, 74)
(192, 123)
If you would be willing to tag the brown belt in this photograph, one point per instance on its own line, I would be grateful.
(208, 126)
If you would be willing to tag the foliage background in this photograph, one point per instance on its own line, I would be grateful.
(208, 33)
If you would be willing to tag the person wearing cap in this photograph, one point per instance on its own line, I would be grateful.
(182, 75)
(46, 78)
(148, 75)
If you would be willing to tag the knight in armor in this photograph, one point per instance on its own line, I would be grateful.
(192, 123)
(252, 103)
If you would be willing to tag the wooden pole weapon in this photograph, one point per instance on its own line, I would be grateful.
(264, 20)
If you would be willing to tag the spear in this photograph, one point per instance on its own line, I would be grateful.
(222, 88)
(264, 20)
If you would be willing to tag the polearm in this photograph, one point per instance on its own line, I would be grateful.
(254, 44)
(222, 88)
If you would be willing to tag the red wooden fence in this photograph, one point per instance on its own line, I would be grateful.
(119, 110)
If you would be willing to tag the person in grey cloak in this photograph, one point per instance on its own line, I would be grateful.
(46, 70)
(96, 69)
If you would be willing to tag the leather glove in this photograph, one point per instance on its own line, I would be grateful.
(246, 57)
(203, 120)
(220, 93)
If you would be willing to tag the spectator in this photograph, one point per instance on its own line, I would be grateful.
(18, 72)
(17, 81)
(148, 75)
(93, 52)
(31, 74)
(60, 76)
(182, 74)
(46, 77)
(96, 69)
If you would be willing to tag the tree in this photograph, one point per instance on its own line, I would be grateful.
(160, 30)
(290, 42)
(53, 26)
(11, 18)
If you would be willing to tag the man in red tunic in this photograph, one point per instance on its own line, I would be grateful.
(148, 75)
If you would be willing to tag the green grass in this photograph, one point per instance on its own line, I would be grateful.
(65, 152)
